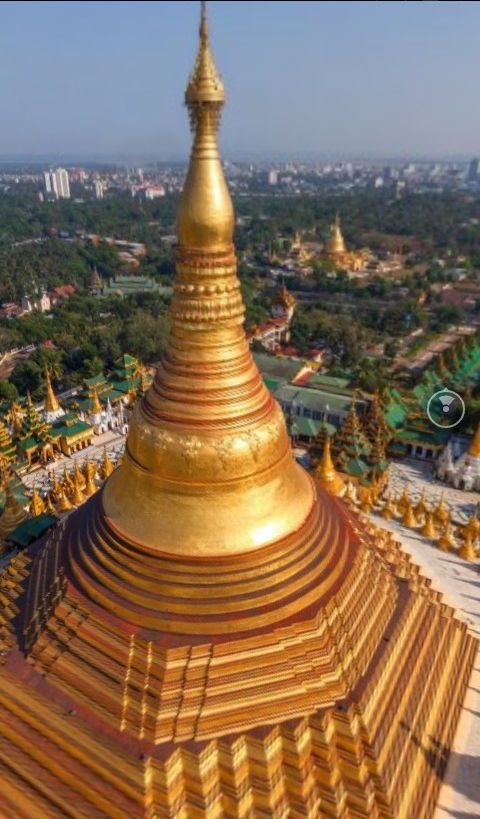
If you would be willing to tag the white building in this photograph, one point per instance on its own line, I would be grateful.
(57, 183)
(462, 472)
(273, 177)
(99, 189)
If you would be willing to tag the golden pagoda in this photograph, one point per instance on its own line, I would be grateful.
(336, 250)
(388, 510)
(49, 505)
(445, 541)
(212, 634)
(89, 471)
(467, 549)
(52, 409)
(12, 515)
(408, 518)
(107, 466)
(37, 505)
(326, 474)
(63, 503)
(428, 528)
(474, 448)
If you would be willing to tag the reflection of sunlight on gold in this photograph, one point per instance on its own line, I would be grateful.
(264, 534)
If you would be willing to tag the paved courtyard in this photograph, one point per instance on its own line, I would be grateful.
(416, 477)
(112, 440)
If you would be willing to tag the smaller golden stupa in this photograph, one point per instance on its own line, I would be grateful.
(474, 448)
(37, 505)
(428, 528)
(63, 504)
(388, 511)
(107, 466)
(52, 408)
(336, 250)
(409, 518)
(326, 474)
(467, 549)
(445, 541)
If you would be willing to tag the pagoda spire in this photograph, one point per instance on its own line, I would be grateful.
(207, 427)
(51, 401)
(474, 448)
(326, 473)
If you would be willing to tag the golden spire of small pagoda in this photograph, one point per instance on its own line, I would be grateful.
(77, 496)
(78, 477)
(37, 505)
(51, 400)
(63, 504)
(13, 514)
(428, 528)
(420, 508)
(107, 466)
(409, 518)
(440, 512)
(445, 541)
(89, 471)
(326, 474)
(472, 526)
(68, 485)
(403, 501)
(336, 242)
(467, 549)
(474, 448)
(388, 511)
(96, 406)
(49, 505)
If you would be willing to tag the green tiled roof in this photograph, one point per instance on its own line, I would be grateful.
(340, 384)
(315, 399)
(31, 529)
(95, 380)
(272, 384)
(306, 427)
(277, 367)
(74, 429)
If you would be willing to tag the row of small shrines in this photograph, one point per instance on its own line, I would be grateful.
(433, 522)
(29, 434)
(22, 521)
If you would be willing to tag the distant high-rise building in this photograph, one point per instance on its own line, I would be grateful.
(273, 177)
(473, 174)
(63, 185)
(48, 181)
(99, 189)
(56, 183)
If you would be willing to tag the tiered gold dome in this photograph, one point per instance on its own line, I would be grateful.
(212, 634)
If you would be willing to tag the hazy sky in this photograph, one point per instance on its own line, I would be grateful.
(344, 78)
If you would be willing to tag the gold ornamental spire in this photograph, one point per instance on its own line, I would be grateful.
(207, 444)
(51, 400)
(205, 215)
(326, 473)
(474, 448)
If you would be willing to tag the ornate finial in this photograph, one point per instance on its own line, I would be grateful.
(326, 473)
(51, 400)
(37, 505)
(474, 448)
(205, 86)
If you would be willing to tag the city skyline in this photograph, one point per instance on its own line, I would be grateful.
(322, 80)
